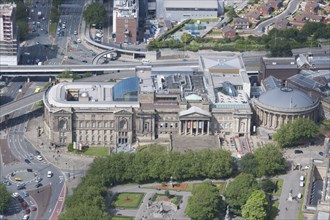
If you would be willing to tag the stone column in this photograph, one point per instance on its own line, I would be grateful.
(208, 127)
(180, 127)
(185, 127)
(191, 127)
(197, 127)
(203, 123)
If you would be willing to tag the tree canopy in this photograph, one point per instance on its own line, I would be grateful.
(296, 132)
(239, 190)
(256, 206)
(145, 166)
(205, 202)
(266, 161)
(270, 161)
(5, 198)
(95, 13)
(248, 164)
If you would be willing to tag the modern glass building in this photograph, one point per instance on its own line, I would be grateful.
(126, 90)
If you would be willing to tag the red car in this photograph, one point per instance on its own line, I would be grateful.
(24, 205)
(27, 211)
(34, 208)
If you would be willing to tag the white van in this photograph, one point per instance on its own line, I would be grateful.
(302, 178)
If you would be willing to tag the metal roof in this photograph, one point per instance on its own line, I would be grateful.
(193, 4)
(287, 98)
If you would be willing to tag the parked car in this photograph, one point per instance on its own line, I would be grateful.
(38, 185)
(20, 187)
(33, 208)
(27, 211)
(37, 152)
(24, 193)
(27, 161)
(321, 154)
(24, 204)
(18, 178)
(15, 195)
(39, 158)
(49, 174)
(298, 151)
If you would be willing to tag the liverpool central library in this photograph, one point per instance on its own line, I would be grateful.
(213, 99)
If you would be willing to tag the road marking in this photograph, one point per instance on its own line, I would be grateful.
(50, 210)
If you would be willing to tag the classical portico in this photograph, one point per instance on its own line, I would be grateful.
(194, 121)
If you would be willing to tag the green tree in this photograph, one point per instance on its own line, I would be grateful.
(239, 190)
(231, 12)
(186, 38)
(280, 48)
(205, 202)
(95, 13)
(256, 206)
(299, 131)
(270, 160)
(267, 185)
(5, 198)
(248, 164)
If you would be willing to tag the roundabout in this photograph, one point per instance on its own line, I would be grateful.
(23, 176)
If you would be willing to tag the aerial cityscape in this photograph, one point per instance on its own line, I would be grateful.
(165, 109)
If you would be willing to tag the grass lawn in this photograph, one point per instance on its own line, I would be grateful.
(96, 151)
(52, 28)
(173, 198)
(221, 186)
(121, 218)
(128, 200)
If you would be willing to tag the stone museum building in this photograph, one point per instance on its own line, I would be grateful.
(154, 104)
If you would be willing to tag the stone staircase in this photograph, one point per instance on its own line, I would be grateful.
(190, 142)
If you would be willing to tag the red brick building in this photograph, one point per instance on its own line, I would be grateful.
(126, 30)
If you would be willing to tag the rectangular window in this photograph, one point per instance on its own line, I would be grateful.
(165, 125)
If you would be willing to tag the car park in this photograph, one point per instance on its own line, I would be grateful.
(298, 151)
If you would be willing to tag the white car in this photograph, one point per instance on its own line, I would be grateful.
(78, 40)
(39, 158)
(49, 174)
(15, 195)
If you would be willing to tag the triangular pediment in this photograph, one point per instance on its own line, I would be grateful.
(194, 112)
(123, 112)
(62, 111)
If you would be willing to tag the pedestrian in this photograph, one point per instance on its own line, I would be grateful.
(286, 209)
